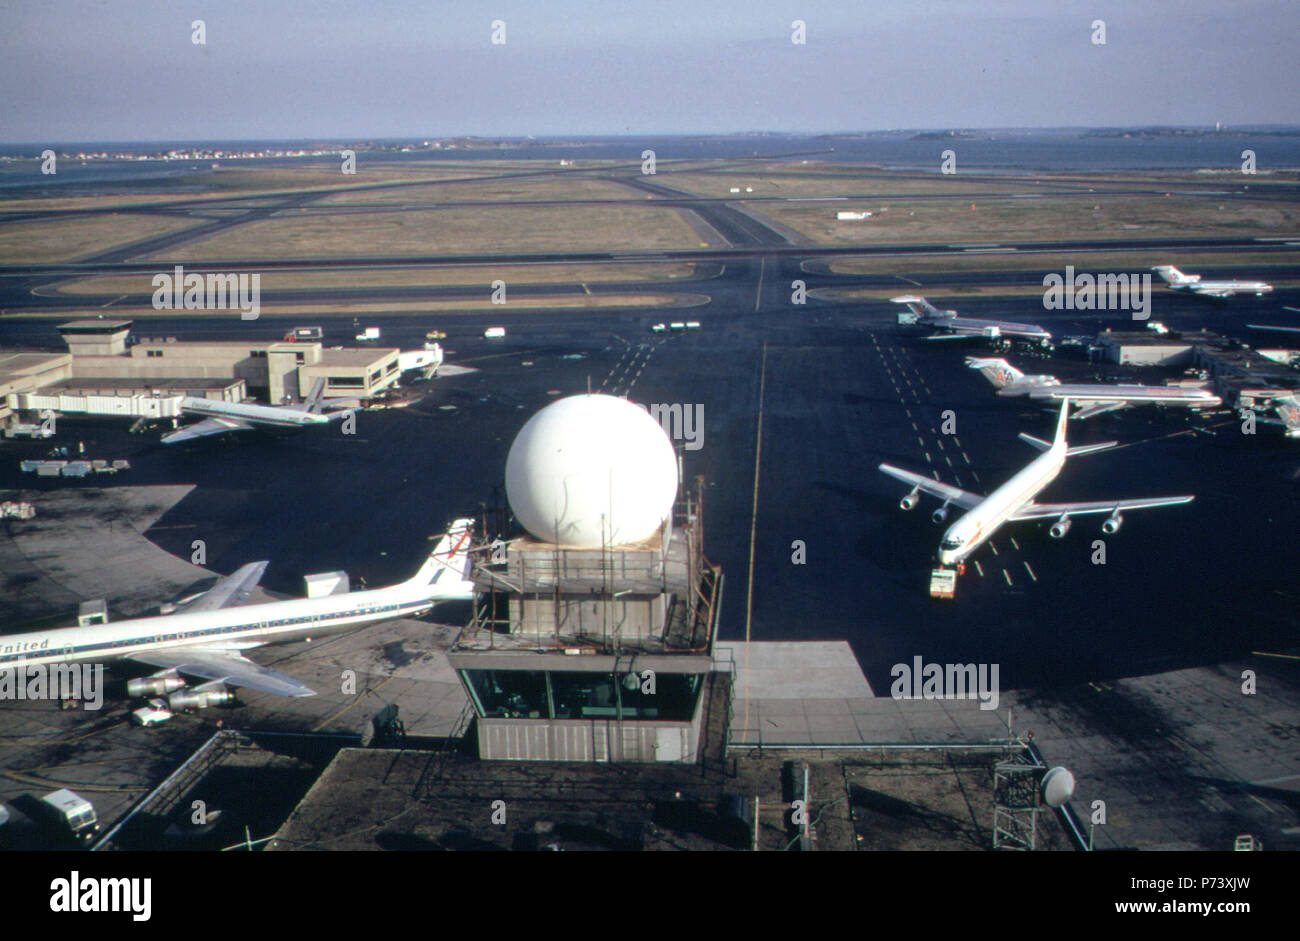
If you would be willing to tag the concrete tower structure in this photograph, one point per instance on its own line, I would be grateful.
(592, 637)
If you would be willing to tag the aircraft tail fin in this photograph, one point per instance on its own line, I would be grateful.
(446, 572)
(314, 397)
(1061, 421)
(1172, 275)
(997, 371)
(920, 308)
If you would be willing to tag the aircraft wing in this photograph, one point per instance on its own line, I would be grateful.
(1100, 408)
(202, 429)
(1038, 511)
(230, 591)
(1212, 292)
(1256, 326)
(936, 488)
(213, 663)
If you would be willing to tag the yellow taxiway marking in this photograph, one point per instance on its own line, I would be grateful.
(1031, 572)
(352, 702)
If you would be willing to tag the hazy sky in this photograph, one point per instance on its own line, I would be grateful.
(80, 70)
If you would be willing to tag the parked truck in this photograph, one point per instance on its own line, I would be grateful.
(74, 812)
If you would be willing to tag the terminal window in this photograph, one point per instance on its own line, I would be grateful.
(524, 694)
(508, 694)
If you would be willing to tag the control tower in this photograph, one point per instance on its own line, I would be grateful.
(592, 636)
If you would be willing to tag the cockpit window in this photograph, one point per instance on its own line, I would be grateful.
(952, 542)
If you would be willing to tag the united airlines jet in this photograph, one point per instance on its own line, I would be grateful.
(208, 635)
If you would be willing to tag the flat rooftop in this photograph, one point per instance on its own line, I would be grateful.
(25, 362)
(354, 357)
(387, 799)
(94, 326)
(129, 384)
(1150, 338)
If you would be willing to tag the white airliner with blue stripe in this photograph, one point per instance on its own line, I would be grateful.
(207, 637)
(224, 417)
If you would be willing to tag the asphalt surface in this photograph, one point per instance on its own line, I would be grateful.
(1181, 586)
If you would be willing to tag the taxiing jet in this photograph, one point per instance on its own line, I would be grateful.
(1192, 282)
(950, 326)
(1014, 502)
(1093, 398)
(224, 417)
(205, 635)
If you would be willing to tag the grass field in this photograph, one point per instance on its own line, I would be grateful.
(327, 309)
(450, 231)
(42, 242)
(249, 181)
(433, 276)
(529, 188)
(998, 219)
(1056, 261)
(823, 182)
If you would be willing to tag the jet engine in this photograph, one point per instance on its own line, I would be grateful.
(939, 515)
(909, 502)
(199, 698)
(157, 685)
(1112, 523)
(1060, 527)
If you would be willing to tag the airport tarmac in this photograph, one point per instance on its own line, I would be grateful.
(1110, 663)
(843, 394)
(1181, 759)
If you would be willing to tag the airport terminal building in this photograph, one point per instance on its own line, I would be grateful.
(105, 373)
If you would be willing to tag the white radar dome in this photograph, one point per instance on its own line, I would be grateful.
(1058, 787)
(590, 471)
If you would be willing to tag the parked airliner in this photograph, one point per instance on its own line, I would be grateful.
(1096, 398)
(206, 638)
(224, 417)
(1014, 500)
